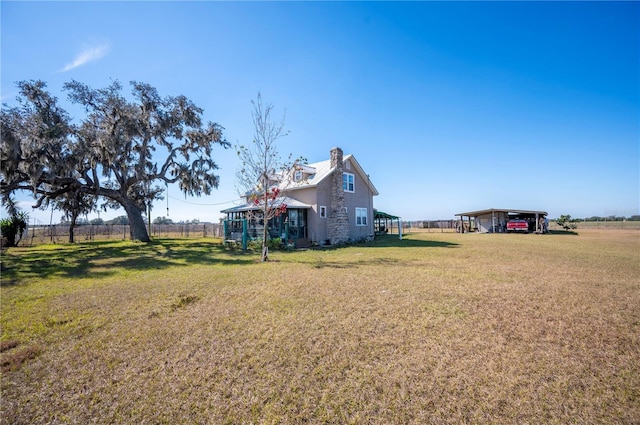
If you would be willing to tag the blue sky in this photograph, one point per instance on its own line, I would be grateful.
(449, 106)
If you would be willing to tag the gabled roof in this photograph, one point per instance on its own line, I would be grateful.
(323, 170)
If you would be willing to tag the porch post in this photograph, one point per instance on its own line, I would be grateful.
(244, 234)
(493, 221)
(286, 233)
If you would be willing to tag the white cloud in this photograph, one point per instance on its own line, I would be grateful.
(88, 54)
(7, 96)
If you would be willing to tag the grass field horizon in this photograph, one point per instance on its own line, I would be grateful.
(436, 328)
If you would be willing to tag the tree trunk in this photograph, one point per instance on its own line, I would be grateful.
(137, 228)
(72, 226)
(265, 231)
(71, 229)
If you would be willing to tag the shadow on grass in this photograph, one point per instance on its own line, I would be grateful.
(563, 232)
(384, 241)
(393, 241)
(103, 258)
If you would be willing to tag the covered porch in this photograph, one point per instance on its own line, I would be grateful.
(383, 223)
(245, 222)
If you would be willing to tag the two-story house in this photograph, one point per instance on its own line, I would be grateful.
(327, 202)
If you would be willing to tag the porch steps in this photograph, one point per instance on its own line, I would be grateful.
(302, 243)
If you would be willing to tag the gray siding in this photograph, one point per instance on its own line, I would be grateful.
(316, 226)
(320, 195)
(362, 197)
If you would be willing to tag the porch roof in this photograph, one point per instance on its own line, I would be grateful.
(289, 202)
(384, 215)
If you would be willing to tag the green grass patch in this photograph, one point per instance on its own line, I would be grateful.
(436, 328)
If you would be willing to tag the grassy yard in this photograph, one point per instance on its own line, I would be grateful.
(437, 328)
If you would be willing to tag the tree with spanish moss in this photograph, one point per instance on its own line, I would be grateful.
(118, 153)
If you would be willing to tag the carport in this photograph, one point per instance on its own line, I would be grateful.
(382, 220)
(494, 220)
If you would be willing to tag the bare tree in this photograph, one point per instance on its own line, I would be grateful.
(262, 178)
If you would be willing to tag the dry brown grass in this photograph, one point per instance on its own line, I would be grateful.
(441, 328)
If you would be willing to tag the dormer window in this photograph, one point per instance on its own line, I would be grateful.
(297, 176)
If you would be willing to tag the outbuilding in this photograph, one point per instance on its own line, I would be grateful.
(382, 221)
(494, 220)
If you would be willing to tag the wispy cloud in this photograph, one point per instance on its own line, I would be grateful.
(6, 96)
(89, 53)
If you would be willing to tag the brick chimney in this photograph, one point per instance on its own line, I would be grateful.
(338, 220)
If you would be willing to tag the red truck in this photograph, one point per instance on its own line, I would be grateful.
(518, 225)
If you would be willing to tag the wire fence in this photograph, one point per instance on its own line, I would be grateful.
(429, 226)
(59, 233)
(604, 224)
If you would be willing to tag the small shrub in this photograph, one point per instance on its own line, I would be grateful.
(256, 244)
(566, 222)
(275, 243)
(12, 228)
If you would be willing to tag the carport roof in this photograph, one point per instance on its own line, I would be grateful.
(495, 210)
(381, 215)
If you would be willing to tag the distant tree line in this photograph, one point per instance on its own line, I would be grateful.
(124, 220)
(612, 218)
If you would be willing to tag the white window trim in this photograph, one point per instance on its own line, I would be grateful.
(323, 211)
(297, 175)
(362, 217)
(353, 182)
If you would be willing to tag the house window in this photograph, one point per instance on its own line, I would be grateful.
(348, 182)
(293, 218)
(297, 176)
(361, 216)
(323, 212)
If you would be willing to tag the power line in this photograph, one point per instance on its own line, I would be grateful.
(204, 205)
